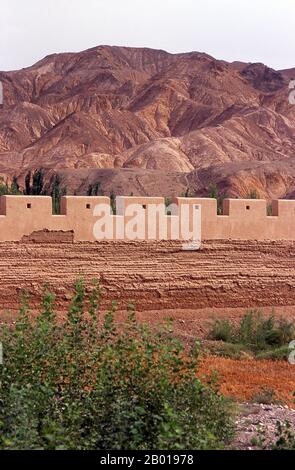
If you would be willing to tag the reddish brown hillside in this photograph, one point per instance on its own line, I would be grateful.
(149, 122)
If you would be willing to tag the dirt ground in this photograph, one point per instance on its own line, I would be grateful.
(222, 280)
(244, 379)
(256, 425)
(157, 276)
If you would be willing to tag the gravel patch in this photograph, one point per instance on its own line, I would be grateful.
(257, 419)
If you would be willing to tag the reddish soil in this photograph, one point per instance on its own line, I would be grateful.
(158, 277)
(223, 280)
(245, 379)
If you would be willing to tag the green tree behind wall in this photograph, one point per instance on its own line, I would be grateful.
(13, 189)
(57, 191)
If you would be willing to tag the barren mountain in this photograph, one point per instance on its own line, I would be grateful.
(148, 122)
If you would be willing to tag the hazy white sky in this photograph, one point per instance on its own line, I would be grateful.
(247, 30)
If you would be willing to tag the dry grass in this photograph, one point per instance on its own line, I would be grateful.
(242, 379)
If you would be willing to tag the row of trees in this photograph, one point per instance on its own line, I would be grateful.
(35, 184)
(12, 189)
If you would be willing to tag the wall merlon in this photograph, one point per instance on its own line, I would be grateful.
(122, 202)
(81, 204)
(245, 207)
(283, 208)
(13, 205)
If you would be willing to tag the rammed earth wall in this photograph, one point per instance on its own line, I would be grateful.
(21, 216)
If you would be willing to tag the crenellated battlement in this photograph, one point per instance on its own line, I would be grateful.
(242, 219)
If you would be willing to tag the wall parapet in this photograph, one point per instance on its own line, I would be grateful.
(242, 219)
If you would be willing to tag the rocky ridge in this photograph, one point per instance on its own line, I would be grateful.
(147, 122)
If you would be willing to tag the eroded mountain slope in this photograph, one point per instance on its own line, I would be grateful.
(175, 119)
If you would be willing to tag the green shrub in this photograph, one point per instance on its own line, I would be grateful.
(86, 383)
(214, 193)
(13, 189)
(256, 333)
(285, 437)
(277, 354)
(222, 331)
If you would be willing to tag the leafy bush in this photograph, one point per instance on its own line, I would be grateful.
(285, 436)
(259, 332)
(13, 189)
(256, 333)
(222, 331)
(88, 383)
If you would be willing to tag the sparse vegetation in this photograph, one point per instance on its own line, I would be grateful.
(266, 396)
(214, 193)
(222, 330)
(57, 191)
(233, 351)
(187, 193)
(264, 336)
(13, 189)
(94, 189)
(113, 202)
(253, 194)
(28, 177)
(38, 183)
(84, 383)
(34, 183)
(285, 437)
(275, 354)
(35, 186)
(168, 203)
(269, 210)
